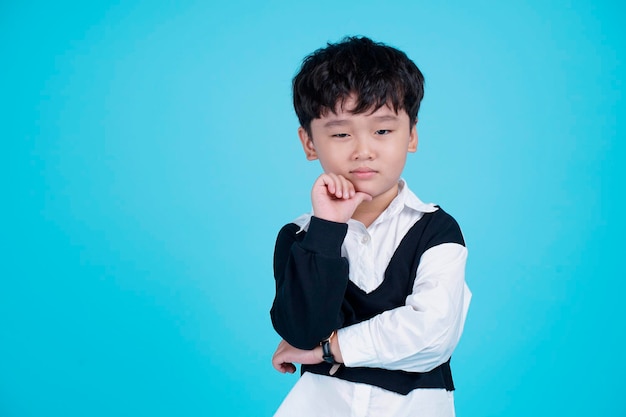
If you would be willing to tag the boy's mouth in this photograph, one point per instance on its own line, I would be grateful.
(363, 172)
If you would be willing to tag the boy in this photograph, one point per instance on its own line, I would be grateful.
(370, 289)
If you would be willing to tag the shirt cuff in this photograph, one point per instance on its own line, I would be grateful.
(325, 237)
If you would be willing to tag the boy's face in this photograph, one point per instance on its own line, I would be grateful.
(368, 149)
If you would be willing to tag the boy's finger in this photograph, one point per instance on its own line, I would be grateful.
(347, 187)
(340, 187)
(330, 182)
(339, 192)
(351, 189)
(361, 197)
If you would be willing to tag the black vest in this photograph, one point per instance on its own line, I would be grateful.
(431, 230)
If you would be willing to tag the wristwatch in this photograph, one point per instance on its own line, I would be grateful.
(326, 353)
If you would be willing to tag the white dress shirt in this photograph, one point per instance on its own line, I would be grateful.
(416, 337)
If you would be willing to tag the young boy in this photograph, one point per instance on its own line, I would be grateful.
(370, 287)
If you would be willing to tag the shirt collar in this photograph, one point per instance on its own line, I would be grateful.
(411, 201)
(405, 199)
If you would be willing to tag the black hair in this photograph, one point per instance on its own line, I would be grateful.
(375, 73)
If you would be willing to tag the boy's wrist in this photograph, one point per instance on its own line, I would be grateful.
(331, 352)
(319, 353)
(328, 355)
(336, 349)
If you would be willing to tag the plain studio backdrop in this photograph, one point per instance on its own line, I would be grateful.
(150, 156)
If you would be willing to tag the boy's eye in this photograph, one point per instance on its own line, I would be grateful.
(340, 135)
(383, 132)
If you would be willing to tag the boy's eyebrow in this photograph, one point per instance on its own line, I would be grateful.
(336, 122)
(344, 122)
(386, 118)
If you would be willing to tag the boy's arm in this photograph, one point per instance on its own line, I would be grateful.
(423, 333)
(311, 279)
(311, 276)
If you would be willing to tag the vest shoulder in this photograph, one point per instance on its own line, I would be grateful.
(441, 227)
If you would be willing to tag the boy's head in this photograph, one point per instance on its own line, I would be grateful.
(373, 73)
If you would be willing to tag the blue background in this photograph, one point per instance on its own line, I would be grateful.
(150, 156)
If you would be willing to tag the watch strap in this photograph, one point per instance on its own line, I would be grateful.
(327, 354)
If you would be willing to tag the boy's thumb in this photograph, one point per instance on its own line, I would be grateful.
(361, 197)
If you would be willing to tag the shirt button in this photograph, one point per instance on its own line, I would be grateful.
(365, 239)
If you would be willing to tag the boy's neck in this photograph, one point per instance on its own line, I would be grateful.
(368, 211)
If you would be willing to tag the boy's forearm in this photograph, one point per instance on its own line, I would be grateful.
(311, 279)
(423, 333)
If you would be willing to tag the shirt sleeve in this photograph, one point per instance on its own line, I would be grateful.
(311, 280)
(423, 333)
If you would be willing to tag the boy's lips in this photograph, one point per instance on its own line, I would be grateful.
(363, 172)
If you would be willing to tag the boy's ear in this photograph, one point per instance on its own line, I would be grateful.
(413, 139)
(307, 144)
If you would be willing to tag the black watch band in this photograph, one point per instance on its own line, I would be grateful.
(327, 355)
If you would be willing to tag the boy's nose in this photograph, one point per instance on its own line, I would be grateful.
(363, 150)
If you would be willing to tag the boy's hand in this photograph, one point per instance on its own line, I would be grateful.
(286, 355)
(335, 199)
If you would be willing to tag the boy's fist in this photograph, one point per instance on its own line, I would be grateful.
(335, 199)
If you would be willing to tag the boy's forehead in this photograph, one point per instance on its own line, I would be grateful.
(349, 104)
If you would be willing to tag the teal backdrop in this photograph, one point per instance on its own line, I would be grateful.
(150, 157)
